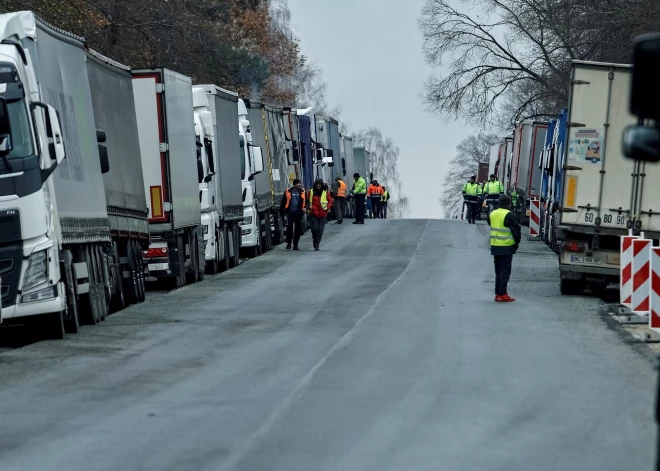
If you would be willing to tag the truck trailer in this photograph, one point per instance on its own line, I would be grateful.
(165, 117)
(55, 237)
(603, 194)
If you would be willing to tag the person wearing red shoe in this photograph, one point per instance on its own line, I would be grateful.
(504, 240)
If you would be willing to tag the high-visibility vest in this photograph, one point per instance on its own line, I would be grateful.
(386, 195)
(514, 197)
(360, 187)
(493, 188)
(375, 190)
(288, 199)
(500, 235)
(324, 200)
(472, 189)
(341, 191)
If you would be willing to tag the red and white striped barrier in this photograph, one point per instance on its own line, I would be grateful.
(534, 218)
(641, 276)
(625, 264)
(654, 305)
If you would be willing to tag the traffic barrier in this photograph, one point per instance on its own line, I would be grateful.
(641, 276)
(625, 268)
(654, 307)
(534, 218)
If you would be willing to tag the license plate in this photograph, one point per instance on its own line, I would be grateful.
(614, 259)
(588, 260)
(158, 266)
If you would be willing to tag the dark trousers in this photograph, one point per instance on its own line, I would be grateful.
(383, 209)
(339, 207)
(360, 207)
(318, 226)
(293, 228)
(375, 206)
(472, 207)
(502, 273)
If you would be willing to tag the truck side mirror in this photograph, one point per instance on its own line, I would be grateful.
(642, 143)
(319, 154)
(103, 158)
(258, 160)
(295, 154)
(100, 135)
(6, 145)
(200, 170)
(644, 96)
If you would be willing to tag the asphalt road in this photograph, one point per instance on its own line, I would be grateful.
(383, 351)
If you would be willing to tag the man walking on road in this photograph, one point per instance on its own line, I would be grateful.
(340, 199)
(493, 189)
(293, 205)
(375, 193)
(504, 240)
(471, 192)
(321, 203)
(359, 193)
(383, 203)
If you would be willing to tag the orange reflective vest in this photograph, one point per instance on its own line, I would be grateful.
(288, 199)
(341, 191)
(375, 190)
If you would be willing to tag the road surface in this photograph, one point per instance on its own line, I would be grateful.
(383, 351)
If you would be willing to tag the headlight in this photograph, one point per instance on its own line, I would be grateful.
(205, 228)
(37, 270)
(247, 220)
(41, 295)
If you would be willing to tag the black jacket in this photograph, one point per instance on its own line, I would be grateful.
(510, 221)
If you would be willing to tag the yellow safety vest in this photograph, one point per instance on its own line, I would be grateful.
(500, 235)
(324, 200)
(495, 187)
(472, 189)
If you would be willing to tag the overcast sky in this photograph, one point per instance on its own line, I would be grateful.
(371, 55)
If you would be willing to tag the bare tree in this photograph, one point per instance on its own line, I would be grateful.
(471, 151)
(511, 58)
(384, 163)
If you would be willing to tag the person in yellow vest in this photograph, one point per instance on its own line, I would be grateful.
(383, 203)
(340, 199)
(471, 192)
(504, 240)
(359, 192)
(320, 203)
(493, 189)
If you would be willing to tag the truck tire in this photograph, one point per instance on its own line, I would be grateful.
(88, 308)
(224, 262)
(131, 291)
(193, 276)
(201, 257)
(571, 287)
(71, 322)
(212, 266)
(139, 269)
(236, 233)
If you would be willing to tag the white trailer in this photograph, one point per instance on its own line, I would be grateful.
(603, 194)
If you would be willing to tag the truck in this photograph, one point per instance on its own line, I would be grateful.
(222, 234)
(260, 237)
(307, 155)
(482, 172)
(55, 237)
(348, 170)
(362, 164)
(292, 133)
(111, 87)
(528, 141)
(503, 165)
(277, 155)
(603, 194)
(165, 118)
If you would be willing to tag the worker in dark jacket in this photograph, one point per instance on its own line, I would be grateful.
(293, 206)
(504, 240)
(320, 203)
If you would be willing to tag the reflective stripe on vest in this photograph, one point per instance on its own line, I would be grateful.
(341, 191)
(324, 200)
(500, 235)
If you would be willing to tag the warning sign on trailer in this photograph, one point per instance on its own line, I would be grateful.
(585, 146)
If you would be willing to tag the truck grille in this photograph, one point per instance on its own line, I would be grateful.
(10, 271)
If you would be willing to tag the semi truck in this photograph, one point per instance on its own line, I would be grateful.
(528, 141)
(263, 207)
(111, 87)
(307, 156)
(276, 152)
(503, 166)
(222, 235)
(54, 226)
(348, 170)
(165, 117)
(603, 194)
(292, 133)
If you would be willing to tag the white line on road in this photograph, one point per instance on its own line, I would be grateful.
(238, 455)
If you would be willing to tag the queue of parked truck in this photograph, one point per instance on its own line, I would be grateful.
(111, 176)
(590, 194)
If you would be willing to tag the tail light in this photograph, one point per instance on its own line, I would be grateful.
(157, 252)
(574, 246)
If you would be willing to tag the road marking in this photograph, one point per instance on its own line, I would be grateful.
(238, 455)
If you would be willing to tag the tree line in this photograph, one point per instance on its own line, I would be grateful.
(242, 45)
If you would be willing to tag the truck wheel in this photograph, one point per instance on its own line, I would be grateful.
(139, 271)
(224, 263)
(131, 284)
(236, 232)
(201, 257)
(212, 266)
(52, 325)
(89, 306)
(193, 276)
(71, 322)
(571, 287)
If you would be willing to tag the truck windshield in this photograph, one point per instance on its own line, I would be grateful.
(242, 155)
(20, 130)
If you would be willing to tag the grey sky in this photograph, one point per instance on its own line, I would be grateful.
(371, 55)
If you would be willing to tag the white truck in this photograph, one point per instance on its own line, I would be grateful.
(603, 194)
(54, 227)
(165, 117)
(226, 193)
(251, 166)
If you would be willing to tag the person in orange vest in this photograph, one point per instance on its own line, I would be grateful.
(293, 206)
(320, 204)
(340, 199)
(375, 193)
